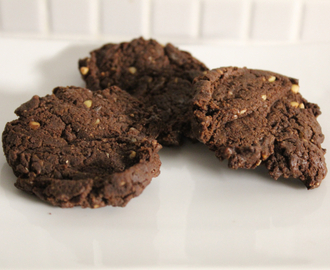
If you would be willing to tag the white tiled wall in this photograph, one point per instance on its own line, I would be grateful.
(272, 20)
(123, 17)
(174, 18)
(21, 16)
(188, 21)
(222, 19)
(316, 21)
(70, 17)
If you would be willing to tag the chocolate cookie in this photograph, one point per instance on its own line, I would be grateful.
(157, 75)
(78, 147)
(277, 126)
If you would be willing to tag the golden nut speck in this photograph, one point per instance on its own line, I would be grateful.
(84, 70)
(295, 88)
(88, 103)
(272, 79)
(34, 125)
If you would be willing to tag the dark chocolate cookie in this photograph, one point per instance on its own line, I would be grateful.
(82, 148)
(277, 126)
(157, 75)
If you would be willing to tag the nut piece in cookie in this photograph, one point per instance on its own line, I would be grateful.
(75, 147)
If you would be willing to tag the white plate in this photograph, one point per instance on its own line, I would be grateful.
(197, 213)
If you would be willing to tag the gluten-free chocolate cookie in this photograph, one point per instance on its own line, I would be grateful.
(82, 148)
(157, 75)
(251, 117)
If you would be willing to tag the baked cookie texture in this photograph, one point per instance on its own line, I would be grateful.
(298, 138)
(252, 116)
(82, 148)
(159, 76)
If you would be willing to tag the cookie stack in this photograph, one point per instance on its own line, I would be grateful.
(98, 145)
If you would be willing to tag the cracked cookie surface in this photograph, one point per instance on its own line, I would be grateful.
(228, 93)
(298, 138)
(159, 76)
(82, 148)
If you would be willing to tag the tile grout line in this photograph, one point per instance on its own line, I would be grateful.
(246, 27)
(297, 21)
(146, 18)
(196, 19)
(1, 28)
(201, 15)
(44, 17)
(95, 18)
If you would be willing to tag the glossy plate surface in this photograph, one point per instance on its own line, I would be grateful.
(198, 213)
